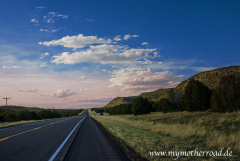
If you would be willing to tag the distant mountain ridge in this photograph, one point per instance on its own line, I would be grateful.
(209, 78)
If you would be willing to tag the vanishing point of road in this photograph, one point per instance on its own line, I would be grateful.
(73, 138)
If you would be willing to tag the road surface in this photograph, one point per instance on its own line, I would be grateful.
(73, 138)
(92, 143)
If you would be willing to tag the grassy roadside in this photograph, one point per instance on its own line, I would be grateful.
(181, 131)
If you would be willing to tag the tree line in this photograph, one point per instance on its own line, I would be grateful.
(196, 97)
(25, 114)
(225, 98)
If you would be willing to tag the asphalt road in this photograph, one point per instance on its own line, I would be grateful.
(92, 143)
(46, 140)
(35, 141)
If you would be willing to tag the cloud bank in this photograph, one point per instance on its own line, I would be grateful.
(75, 42)
(97, 50)
(61, 93)
(132, 81)
(126, 37)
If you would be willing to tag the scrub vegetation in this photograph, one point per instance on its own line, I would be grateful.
(179, 131)
(20, 113)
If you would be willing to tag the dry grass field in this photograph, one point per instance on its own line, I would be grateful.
(178, 131)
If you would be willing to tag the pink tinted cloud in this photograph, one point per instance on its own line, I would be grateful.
(63, 93)
(142, 80)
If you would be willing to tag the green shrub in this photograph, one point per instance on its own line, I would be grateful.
(140, 106)
(2, 118)
(196, 96)
(121, 109)
(155, 107)
(165, 105)
(225, 97)
(10, 117)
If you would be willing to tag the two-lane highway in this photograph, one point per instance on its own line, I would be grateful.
(36, 141)
(50, 140)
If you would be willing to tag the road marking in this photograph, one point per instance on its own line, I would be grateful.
(60, 147)
(32, 129)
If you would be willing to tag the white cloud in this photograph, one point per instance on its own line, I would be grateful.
(34, 90)
(44, 54)
(156, 54)
(83, 90)
(105, 70)
(63, 16)
(76, 41)
(56, 30)
(201, 69)
(10, 67)
(146, 61)
(34, 20)
(43, 30)
(131, 80)
(31, 67)
(53, 14)
(51, 17)
(44, 64)
(99, 99)
(126, 37)
(144, 43)
(117, 38)
(50, 20)
(41, 7)
(89, 20)
(104, 54)
(61, 93)
(36, 24)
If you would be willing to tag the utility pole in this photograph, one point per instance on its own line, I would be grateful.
(6, 103)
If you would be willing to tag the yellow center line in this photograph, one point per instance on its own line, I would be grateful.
(32, 129)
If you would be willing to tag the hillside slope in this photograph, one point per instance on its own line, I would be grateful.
(209, 78)
(149, 95)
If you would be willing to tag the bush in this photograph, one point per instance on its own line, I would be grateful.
(155, 107)
(121, 109)
(196, 96)
(140, 106)
(225, 98)
(97, 110)
(165, 105)
(10, 117)
(101, 113)
(2, 118)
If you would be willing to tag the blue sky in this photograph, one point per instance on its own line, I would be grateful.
(81, 54)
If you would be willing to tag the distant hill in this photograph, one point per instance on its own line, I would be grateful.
(119, 100)
(151, 96)
(209, 78)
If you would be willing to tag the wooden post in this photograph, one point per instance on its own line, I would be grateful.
(6, 103)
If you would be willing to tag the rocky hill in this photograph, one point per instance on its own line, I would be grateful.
(209, 78)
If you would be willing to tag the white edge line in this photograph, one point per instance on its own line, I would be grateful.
(60, 147)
